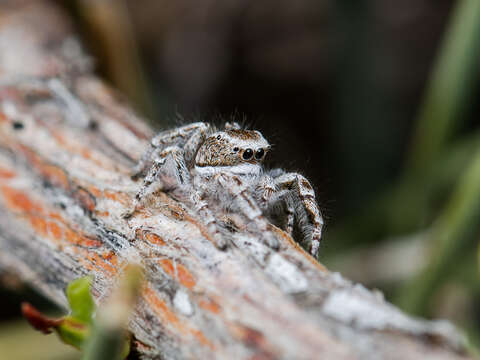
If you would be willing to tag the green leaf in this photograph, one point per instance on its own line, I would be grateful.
(73, 332)
(478, 259)
(81, 330)
(80, 299)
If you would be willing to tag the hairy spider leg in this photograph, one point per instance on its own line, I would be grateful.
(169, 172)
(161, 177)
(274, 201)
(236, 188)
(299, 195)
(232, 126)
(188, 136)
(208, 219)
(201, 207)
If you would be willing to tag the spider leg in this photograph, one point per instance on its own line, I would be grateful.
(209, 220)
(188, 137)
(273, 202)
(144, 163)
(196, 138)
(302, 207)
(232, 126)
(235, 187)
(179, 136)
(289, 218)
(169, 172)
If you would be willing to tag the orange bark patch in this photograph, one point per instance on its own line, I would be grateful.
(209, 305)
(289, 240)
(154, 239)
(168, 266)
(183, 276)
(53, 174)
(168, 316)
(177, 214)
(55, 215)
(202, 339)
(79, 239)
(19, 201)
(6, 174)
(39, 224)
(102, 213)
(52, 225)
(150, 237)
(86, 154)
(114, 261)
(116, 196)
(98, 261)
(54, 230)
(161, 308)
(111, 257)
(95, 191)
(108, 194)
(56, 135)
(255, 340)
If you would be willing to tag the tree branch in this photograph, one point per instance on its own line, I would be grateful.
(66, 147)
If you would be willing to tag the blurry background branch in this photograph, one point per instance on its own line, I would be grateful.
(449, 92)
(108, 23)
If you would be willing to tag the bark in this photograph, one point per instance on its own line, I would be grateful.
(64, 165)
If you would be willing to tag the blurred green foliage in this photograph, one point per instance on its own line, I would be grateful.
(73, 329)
(438, 193)
(98, 334)
(80, 300)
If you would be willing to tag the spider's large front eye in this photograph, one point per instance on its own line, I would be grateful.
(247, 154)
(259, 154)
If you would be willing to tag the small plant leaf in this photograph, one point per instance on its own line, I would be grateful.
(73, 329)
(81, 330)
(70, 330)
(73, 332)
(80, 299)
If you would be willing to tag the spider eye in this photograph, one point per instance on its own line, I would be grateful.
(247, 154)
(219, 137)
(259, 154)
(235, 149)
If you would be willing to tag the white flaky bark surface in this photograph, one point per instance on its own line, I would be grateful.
(66, 146)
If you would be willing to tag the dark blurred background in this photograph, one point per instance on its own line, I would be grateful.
(335, 85)
(373, 100)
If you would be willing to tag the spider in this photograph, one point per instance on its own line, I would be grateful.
(205, 167)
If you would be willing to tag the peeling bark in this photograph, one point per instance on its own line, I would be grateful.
(64, 164)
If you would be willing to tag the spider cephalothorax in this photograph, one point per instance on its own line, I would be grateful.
(198, 163)
(231, 148)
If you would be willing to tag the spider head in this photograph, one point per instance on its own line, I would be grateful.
(233, 147)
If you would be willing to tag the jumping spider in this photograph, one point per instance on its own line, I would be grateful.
(206, 167)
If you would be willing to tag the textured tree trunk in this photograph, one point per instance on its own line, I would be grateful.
(66, 146)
